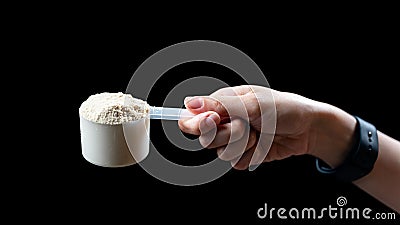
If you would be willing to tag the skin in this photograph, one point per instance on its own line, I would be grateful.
(232, 121)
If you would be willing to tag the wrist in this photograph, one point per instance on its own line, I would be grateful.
(333, 134)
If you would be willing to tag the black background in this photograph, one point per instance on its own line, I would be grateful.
(353, 66)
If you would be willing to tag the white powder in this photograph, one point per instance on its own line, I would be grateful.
(113, 108)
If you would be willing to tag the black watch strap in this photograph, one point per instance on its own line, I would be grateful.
(361, 158)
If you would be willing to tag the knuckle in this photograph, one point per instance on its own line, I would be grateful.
(187, 129)
(238, 129)
(205, 141)
(218, 105)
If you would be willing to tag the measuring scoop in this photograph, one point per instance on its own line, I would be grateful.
(123, 144)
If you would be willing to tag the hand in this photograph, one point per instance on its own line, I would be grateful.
(239, 122)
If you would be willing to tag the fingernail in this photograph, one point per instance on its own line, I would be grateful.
(187, 99)
(220, 151)
(253, 167)
(213, 117)
(209, 122)
(194, 103)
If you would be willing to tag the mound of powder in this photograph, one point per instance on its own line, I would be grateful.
(113, 108)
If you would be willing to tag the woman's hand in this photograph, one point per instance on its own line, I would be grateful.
(246, 122)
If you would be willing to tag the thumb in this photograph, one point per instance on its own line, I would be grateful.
(225, 106)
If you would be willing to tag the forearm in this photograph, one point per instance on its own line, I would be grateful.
(334, 137)
(333, 134)
(383, 182)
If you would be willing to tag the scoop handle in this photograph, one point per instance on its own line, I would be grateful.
(164, 113)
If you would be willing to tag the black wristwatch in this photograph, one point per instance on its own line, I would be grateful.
(361, 158)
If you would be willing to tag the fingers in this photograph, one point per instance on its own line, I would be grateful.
(275, 152)
(202, 104)
(225, 106)
(236, 149)
(262, 149)
(228, 132)
(192, 126)
(232, 91)
(244, 161)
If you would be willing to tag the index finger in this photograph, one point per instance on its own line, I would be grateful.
(192, 125)
(232, 91)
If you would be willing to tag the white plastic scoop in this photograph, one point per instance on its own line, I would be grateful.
(165, 113)
(123, 144)
(120, 143)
